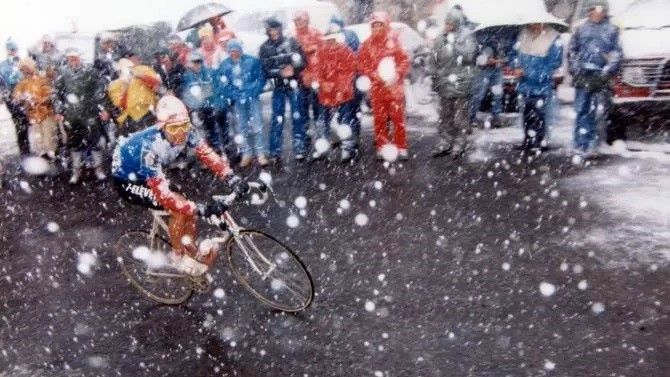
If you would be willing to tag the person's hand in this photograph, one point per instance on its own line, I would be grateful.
(210, 209)
(59, 117)
(287, 71)
(104, 116)
(238, 185)
(518, 73)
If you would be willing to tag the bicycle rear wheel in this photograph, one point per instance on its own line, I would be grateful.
(270, 271)
(141, 258)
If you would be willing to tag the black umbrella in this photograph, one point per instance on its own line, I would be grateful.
(201, 14)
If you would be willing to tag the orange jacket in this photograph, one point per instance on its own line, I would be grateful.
(310, 42)
(34, 94)
(335, 74)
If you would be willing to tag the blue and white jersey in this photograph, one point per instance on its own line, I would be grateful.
(142, 155)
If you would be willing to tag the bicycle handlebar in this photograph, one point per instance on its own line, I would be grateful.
(255, 198)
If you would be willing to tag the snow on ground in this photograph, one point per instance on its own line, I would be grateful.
(632, 189)
(634, 193)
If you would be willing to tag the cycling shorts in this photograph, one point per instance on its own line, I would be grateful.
(137, 193)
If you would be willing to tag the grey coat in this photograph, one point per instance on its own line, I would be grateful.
(454, 57)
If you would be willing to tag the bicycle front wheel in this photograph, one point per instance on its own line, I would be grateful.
(270, 271)
(142, 259)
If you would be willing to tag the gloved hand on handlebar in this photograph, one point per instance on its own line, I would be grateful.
(238, 185)
(210, 209)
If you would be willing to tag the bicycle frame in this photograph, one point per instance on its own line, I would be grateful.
(229, 225)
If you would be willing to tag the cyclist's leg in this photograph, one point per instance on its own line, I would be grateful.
(182, 232)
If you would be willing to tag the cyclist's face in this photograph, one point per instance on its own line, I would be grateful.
(177, 133)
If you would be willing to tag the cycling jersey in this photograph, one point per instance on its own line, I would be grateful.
(139, 159)
(142, 155)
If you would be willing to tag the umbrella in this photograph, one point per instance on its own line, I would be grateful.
(519, 18)
(200, 14)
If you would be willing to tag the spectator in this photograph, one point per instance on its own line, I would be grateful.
(134, 94)
(47, 57)
(283, 60)
(242, 80)
(350, 38)
(79, 95)
(382, 59)
(33, 95)
(454, 53)
(493, 52)
(108, 55)
(210, 50)
(335, 75)
(352, 41)
(310, 41)
(198, 95)
(170, 70)
(10, 75)
(179, 50)
(594, 59)
(539, 54)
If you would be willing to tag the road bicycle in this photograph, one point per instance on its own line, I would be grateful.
(267, 268)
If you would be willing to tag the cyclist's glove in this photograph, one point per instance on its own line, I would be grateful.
(239, 186)
(210, 209)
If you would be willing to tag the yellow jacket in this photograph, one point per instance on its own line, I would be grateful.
(135, 97)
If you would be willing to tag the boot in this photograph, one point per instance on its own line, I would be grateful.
(75, 165)
(97, 164)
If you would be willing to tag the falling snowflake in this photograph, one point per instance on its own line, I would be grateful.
(547, 289)
(293, 221)
(361, 219)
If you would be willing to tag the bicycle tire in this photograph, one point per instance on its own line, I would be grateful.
(245, 271)
(128, 244)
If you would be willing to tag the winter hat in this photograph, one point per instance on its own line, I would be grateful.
(454, 17)
(174, 39)
(272, 23)
(10, 45)
(301, 15)
(107, 37)
(46, 38)
(598, 3)
(72, 52)
(234, 45)
(337, 20)
(380, 16)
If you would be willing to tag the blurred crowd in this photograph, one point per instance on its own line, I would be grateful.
(66, 109)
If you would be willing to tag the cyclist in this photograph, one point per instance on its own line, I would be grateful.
(137, 171)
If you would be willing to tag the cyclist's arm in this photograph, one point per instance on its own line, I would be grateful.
(216, 163)
(169, 199)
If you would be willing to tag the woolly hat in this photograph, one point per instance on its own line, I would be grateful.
(598, 3)
(234, 45)
(10, 45)
(272, 23)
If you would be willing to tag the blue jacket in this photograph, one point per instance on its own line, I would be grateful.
(143, 154)
(197, 89)
(595, 48)
(537, 79)
(9, 74)
(235, 81)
